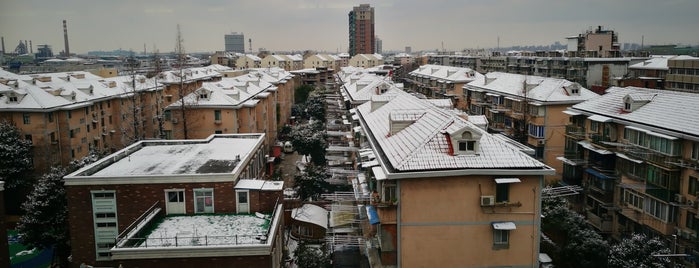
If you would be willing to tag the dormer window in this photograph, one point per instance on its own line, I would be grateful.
(627, 106)
(465, 141)
(203, 95)
(466, 146)
(13, 98)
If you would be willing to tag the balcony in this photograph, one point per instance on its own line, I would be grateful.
(603, 224)
(575, 132)
(654, 157)
(601, 140)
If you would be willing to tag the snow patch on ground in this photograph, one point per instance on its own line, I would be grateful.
(207, 230)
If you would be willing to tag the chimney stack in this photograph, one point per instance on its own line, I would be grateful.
(31, 48)
(2, 39)
(65, 38)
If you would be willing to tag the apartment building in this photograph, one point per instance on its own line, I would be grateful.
(247, 61)
(443, 81)
(649, 73)
(361, 30)
(527, 108)
(683, 74)
(359, 85)
(65, 115)
(448, 194)
(636, 153)
(224, 58)
(162, 203)
(331, 62)
(280, 61)
(595, 42)
(256, 102)
(316, 77)
(366, 60)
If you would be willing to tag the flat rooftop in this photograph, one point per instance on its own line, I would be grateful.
(218, 154)
(208, 230)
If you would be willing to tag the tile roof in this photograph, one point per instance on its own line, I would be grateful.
(543, 89)
(447, 73)
(653, 63)
(670, 111)
(423, 146)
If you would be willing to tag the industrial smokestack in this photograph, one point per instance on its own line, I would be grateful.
(31, 48)
(65, 38)
(2, 39)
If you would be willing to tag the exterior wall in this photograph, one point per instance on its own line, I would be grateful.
(554, 123)
(232, 262)
(431, 236)
(683, 75)
(133, 200)
(602, 73)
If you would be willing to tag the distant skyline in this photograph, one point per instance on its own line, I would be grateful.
(279, 25)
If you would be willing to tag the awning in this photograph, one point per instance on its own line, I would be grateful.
(566, 160)
(504, 225)
(629, 158)
(599, 118)
(369, 164)
(572, 113)
(597, 174)
(492, 94)
(507, 180)
(373, 216)
(378, 172)
(589, 146)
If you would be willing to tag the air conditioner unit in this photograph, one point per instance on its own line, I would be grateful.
(679, 198)
(541, 142)
(487, 200)
(174, 121)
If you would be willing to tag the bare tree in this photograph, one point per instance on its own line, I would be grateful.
(159, 109)
(181, 60)
(132, 126)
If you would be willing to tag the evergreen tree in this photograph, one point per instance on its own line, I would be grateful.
(15, 156)
(45, 220)
(312, 182)
(638, 251)
(311, 257)
(310, 140)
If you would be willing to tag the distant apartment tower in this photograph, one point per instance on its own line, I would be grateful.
(379, 45)
(235, 42)
(602, 43)
(408, 50)
(361, 30)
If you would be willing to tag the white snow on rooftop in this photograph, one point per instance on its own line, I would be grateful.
(207, 230)
(669, 110)
(263, 185)
(312, 214)
(543, 89)
(219, 155)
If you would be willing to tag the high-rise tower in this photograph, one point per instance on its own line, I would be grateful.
(361, 30)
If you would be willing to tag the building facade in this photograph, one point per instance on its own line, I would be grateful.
(528, 109)
(683, 74)
(114, 204)
(636, 154)
(361, 30)
(234, 42)
(442, 82)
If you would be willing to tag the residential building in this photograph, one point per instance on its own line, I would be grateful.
(234, 42)
(379, 45)
(683, 74)
(443, 81)
(317, 77)
(309, 222)
(366, 60)
(359, 85)
(487, 191)
(65, 115)
(163, 203)
(361, 30)
(321, 60)
(224, 58)
(650, 73)
(247, 61)
(256, 102)
(280, 61)
(635, 151)
(403, 59)
(527, 108)
(596, 42)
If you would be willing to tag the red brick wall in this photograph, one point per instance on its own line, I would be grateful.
(134, 200)
(251, 261)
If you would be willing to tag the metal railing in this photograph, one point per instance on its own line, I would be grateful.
(189, 240)
(136, 227)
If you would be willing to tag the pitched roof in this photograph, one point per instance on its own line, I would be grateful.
(543, 89)
(423, 145)
(653, 63)
(447, 73)
(670, 111)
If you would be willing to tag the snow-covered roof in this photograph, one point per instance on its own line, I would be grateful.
(447, 73)
(653, 63)
(66, 90)
(218, 154)
(542, 89)
(671, 112)
(263, 185)
(193, 74)
(360, 86)
(218, 230)
(312, 214)
(441, 103)
(424, 145)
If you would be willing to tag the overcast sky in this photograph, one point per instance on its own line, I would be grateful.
(322, 24)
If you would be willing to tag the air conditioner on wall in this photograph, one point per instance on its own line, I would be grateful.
(487, 200)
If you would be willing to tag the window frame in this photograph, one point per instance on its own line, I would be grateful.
(501, 239)
(202, 193)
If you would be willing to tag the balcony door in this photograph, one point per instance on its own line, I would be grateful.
(174, 202)
(243, 204)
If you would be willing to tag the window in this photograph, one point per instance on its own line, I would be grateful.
(633, 199)
(502, 192)
(71, 133)
(217, 115)
(627, 106)
(536, 131)
(695, 151)
(105, 220)
(691, 222)
(693, 186)
(26, 118)
(658, 209)
(218, 132)
(50, 117)
(203, 95)
(501, 239)
(467, 145)
(204, 201)
(594, 126)
(389, 193)
(13, 98)
(69, 114)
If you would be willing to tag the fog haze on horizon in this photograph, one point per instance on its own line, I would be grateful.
(279, 25)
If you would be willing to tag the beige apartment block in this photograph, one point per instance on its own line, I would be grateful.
(529, 109)
(635, 151)
(443, 82)
(247, 61)
(447, 193)
(366, 60)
